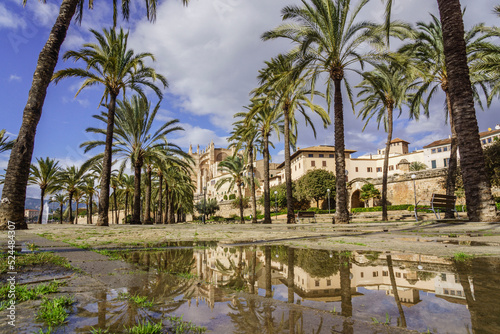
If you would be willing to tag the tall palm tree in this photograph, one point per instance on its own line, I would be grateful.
(289, 86)
(427, 53)
(479, 200)
(88, 187)
(385, 89)
(128, 192)
(266, 119)
(78, 195)
(60, 199)
(235, 167)
(45, 176)
(69, 179)
(5, 143)
(135, 141)
(110, 63)
(245, 134)
(16, 178)
(328, 38)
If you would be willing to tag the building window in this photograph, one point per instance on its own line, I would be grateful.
(296, 167)
(379, 169)
(375, 274)
(483, 141)
(313, 163)
(330, 155)
(445, 148)
(385, 273)
(323, 163)
(321, 155)
(446, 162)
(439, 149)
(299, 164)
(489, 140)
(443, 277)
(357, 169)
(398, 275)
(433, 164)
(316, 283)
(362, 274)
(369, 169)
(391, 167)
(404, 276)
(446, 291)
(433, 151)
(310, 155)
(459, 293)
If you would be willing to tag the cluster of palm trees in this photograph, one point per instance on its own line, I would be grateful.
(329, 40)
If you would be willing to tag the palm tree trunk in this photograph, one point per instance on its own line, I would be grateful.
(160, 198)
(291, 274)
(171, 211)
(165, 214)
(252, 185)
(268, 273)
(147, 209)
(76, 214)
(126, 206)
(18, 169)
(102, 219)
(136, 215)
(452, 164)
(345, 285)
(242, 219)
(70, 200)
(395, 291)
(386, 163)
(290, 217)
(116, 206)
(480, 204)
(267, 199)
(42, 194)
(341, 212)
(91, 209)
(61, 212)
(88, 211)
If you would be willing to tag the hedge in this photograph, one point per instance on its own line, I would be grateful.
(379, 208)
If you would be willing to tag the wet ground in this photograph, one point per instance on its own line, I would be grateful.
(292, 285)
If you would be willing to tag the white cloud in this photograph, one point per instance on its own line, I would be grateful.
(9, 19)
(194, 135)
(14, 77)
(44, 14)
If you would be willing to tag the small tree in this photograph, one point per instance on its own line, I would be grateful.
(417, 165)
(315, 184)
(492, 161)
(210, 208)
(368, 191)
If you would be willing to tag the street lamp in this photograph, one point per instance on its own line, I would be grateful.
(413, 176)
(328, 191)
(204, 202)
(276, 203)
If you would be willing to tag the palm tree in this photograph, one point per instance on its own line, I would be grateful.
(88, 187)
(385, 89)
(417, 165)
(5, 144)
(235, 167)
(16, 178)
(45, 176)
(128, 191)
(245, 134)
(60, 199)
(78, 196)
(426, 52)
(480, 203)
(115, 184)
(135, 141)
(328, 37)
(69, 179)
(288, 86)
(266, 119)
(111, 64)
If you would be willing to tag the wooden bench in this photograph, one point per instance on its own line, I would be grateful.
(306, 214)
(442, 203)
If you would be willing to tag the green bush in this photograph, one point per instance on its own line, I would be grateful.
(218, 218)
(389, 208)
(225, 197)
(232, 196)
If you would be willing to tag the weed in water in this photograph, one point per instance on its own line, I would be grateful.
(24, 260)
(139, 301)
(54, 312)
(146, 328)
(24, 293)
(98, 331)
(32, 246)
(180, 326)
(387, 320)
(462, 257)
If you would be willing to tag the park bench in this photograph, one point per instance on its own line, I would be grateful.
(442, 203)
(306, 214)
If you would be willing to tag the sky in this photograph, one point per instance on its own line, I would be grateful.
(210, 52)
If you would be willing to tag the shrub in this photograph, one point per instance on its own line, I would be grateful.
(389, 208)
(225, 197)
(232, 196)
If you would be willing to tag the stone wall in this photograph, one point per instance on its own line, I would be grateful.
(227, 210)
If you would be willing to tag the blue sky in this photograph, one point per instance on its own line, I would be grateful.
(210, 52)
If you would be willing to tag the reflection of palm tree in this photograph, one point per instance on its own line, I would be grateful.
(267, 255)
(291, 266)
(395, 291)
(345, 290)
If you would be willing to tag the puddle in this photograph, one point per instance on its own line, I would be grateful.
(278, 289)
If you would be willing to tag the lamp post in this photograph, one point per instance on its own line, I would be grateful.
(328, 191)
(413, 176)
(276, 203)
(204, 202)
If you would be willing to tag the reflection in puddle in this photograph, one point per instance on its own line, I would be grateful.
(411, 291)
